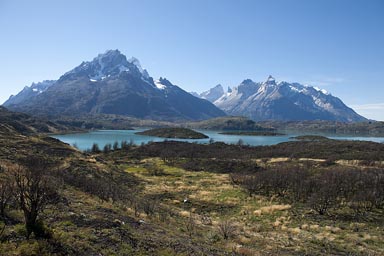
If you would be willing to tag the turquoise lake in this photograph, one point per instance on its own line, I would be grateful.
(85, 141)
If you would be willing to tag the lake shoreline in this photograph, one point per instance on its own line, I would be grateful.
(84, 140)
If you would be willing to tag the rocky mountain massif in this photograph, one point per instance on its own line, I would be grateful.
(111, 84)
(213, 94)
(270, 100)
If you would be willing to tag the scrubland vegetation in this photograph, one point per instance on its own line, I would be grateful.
(307, 197)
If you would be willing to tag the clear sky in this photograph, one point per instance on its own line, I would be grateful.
(337, 45)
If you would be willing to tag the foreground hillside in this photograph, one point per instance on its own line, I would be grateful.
(98, 209)
(174, 198)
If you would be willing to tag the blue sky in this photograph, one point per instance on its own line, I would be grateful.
(337, 45)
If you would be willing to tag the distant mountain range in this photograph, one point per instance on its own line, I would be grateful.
(111, 84)
(283, 101)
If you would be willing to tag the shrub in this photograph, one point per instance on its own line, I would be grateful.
(95, 148)
(34, 188)
(321, 190)
(115, 145)
(155, 171)
(107, 148)
(226, 229)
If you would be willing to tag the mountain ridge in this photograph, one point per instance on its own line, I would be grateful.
(111, 84)
(270, 100)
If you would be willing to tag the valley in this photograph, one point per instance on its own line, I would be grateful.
(192, 128)
(179, 198)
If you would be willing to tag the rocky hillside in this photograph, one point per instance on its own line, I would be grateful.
(271, 100)
(111, 84)
(27, 125)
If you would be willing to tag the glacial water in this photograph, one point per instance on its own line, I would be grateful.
(85, 141)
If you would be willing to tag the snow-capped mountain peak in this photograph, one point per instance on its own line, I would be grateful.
(213, 93)
(110, 63)
(30, 91)
(284, 101)
(270, 80)
(136, 62)
(110, 84)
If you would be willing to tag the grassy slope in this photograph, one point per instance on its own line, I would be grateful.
(83, 224)
(262, 226)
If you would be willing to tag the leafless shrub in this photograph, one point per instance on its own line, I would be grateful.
(190, 225)
(154, 170)
(206, 220)
(6, 188)
(322, 190)
(226, 229)
(34, 188)
(149, 206)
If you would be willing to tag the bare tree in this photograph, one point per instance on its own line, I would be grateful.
(5, 191)
(227, 229)
(190, 224)
(34, 189)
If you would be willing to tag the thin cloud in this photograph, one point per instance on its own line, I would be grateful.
(326, 81)
(373, 111)
(375, 106)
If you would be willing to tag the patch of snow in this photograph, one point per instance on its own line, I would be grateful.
(324, 105)
(122, 68)
(35, 90)
(93, 80)
(321, 90)
(299, 89)
(159, 85)
(295, 89)
(100, 71)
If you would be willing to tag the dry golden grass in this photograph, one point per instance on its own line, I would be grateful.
(261, 224)
(273, 208)
(278, 159)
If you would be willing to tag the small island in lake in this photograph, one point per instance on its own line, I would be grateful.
(311, 138)
(174, 133)
(253, 133)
